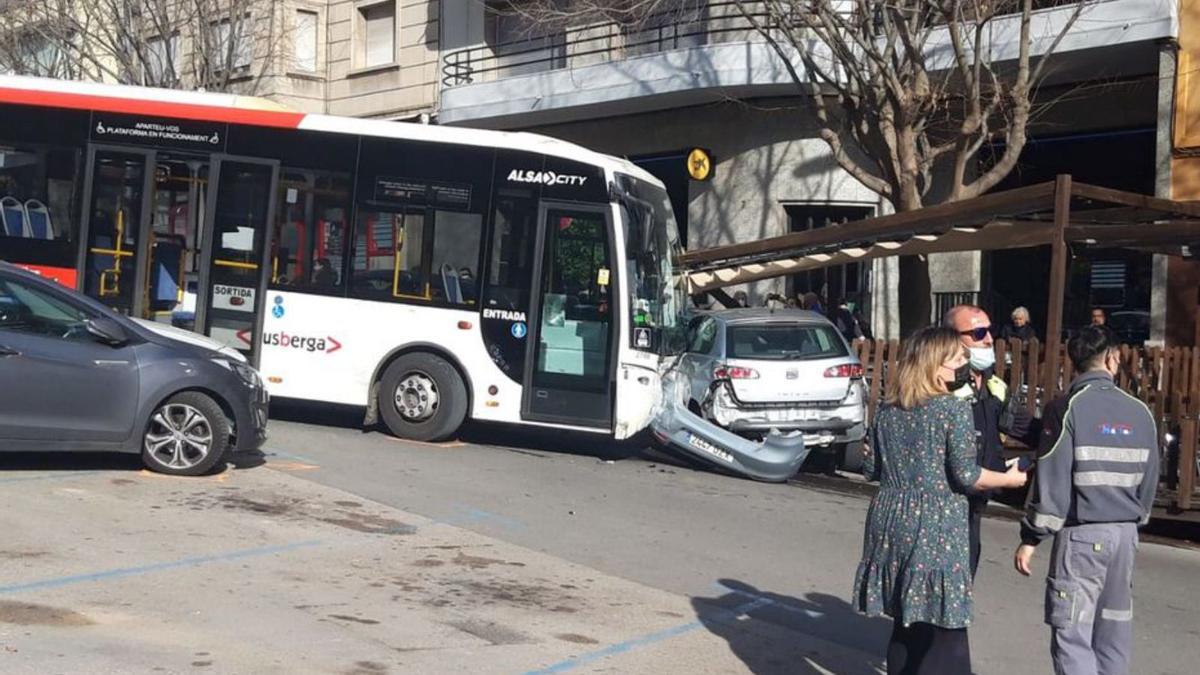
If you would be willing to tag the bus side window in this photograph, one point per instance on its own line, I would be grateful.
(310, 230)
(389, 256)
(456, 241)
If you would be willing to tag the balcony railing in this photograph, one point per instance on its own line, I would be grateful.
(602, 42)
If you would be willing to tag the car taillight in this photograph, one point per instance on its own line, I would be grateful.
(734, 373)
(851, 370)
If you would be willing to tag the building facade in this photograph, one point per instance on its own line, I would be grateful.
(362, 58)
(706, 79)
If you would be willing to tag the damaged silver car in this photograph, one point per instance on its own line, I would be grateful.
(754, 371)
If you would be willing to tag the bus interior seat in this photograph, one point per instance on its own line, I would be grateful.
(14, 217)
(451, 284)
(37, 219)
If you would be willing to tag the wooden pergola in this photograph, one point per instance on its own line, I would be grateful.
(1052, 214)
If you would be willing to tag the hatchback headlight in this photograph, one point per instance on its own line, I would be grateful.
(244, 371)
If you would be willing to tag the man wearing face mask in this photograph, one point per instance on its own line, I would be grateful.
(991, 405)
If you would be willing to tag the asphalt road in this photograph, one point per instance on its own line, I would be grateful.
(713, 538)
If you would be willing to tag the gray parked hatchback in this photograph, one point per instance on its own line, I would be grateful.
(74, 375)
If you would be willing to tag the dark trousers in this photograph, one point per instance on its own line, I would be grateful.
(926, 649)
(975, 518)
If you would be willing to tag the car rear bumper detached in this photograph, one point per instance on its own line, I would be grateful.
(777, 458)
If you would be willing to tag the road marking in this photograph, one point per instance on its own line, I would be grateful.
(121, 572)
(298, 458)
(292, 466)
(447, 444)
(474, 515)
(49, 476)
(810, 613)
(735, 614)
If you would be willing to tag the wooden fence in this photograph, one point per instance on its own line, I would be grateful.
(1167, 380)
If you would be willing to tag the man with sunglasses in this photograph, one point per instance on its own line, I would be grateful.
(990, 403)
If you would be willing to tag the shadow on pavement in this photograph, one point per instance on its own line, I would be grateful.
(552, 441)
(109, 461)
(755, 624)
(324, 414)
(70, 461)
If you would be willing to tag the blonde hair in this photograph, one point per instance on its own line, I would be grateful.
(915, 379)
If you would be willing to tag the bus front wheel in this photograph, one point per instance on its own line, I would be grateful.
(422, 398)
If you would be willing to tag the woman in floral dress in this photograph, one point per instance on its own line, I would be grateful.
(915, 566)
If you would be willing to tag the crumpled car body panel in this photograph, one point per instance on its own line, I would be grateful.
(775, 459)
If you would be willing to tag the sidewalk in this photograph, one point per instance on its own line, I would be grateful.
(258, 571)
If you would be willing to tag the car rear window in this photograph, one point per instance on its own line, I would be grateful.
(783, 342)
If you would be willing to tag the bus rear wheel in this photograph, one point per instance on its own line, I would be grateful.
(422, 398)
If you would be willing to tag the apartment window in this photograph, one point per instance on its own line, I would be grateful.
(304, 41)
(238, 32)
(376, 29)
(161, 55)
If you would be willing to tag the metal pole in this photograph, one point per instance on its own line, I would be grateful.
(1058, 284)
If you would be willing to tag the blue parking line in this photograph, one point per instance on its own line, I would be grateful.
(158, 567)
(619, 648)
(288, 455)
(49, 476)
(721, 615)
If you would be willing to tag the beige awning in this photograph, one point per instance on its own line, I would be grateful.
(993, 236)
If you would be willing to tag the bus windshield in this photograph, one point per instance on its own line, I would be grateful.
(654, 283)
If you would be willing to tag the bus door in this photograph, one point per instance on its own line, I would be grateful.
(120, 183)
(142, 231)
(569, 366)
(234, 265)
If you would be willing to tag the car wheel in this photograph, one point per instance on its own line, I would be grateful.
(186, 436)
(850, 457)
(422, 398)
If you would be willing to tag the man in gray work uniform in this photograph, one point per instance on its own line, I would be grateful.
(1095, 483)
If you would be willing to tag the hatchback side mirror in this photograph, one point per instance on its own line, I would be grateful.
(107, 330)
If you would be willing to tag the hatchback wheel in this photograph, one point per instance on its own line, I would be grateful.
(186, 436)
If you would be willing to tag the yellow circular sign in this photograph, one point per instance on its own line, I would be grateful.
(699, 164)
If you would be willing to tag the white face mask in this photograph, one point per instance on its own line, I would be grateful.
(982, 358)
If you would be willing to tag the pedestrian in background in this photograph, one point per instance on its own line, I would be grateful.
(845, 321)
(915, 565)
(1099, 316)
(1019, 327)
(1097, 475)
(992, 408)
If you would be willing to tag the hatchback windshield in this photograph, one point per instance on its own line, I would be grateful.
(783, 342)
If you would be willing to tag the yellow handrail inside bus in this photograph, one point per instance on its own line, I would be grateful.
(113, 274)
(396, 271)
(236, 264)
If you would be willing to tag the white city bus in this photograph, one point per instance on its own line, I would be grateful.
(427, 274)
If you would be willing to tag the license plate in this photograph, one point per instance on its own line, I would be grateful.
(794, 415)
(701, 444)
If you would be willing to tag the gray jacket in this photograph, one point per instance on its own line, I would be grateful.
(1098, 460)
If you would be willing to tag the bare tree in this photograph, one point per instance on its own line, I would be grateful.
(905, 92)
(216, 45)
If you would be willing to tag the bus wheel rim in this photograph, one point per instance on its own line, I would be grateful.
(417, 397)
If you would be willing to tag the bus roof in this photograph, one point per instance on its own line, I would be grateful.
(256, 111)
